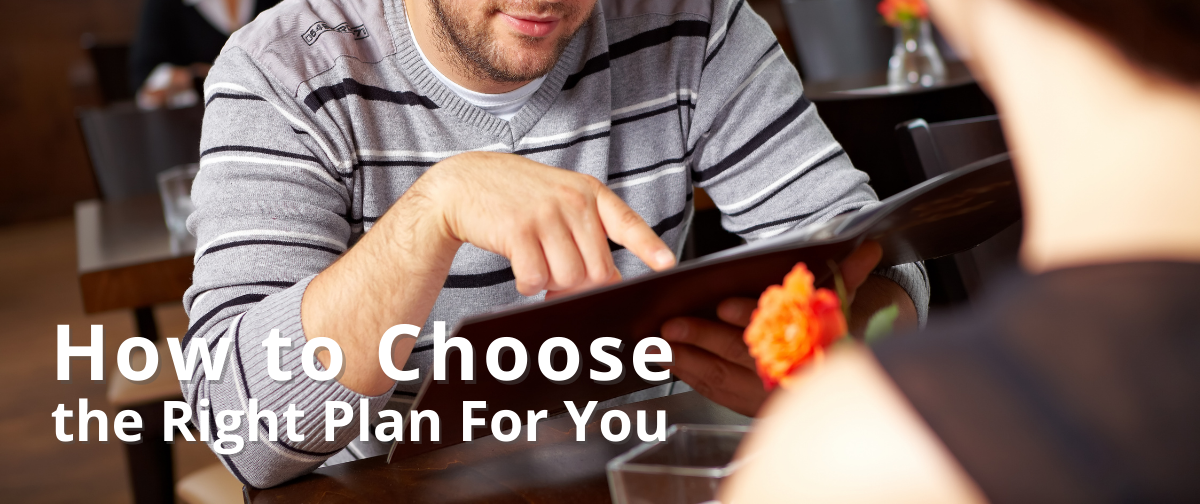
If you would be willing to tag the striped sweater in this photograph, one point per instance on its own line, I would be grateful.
(320, 114)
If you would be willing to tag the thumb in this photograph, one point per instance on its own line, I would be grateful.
(858, 266)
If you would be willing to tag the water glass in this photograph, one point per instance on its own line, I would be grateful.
(687, 468)
(175, 188)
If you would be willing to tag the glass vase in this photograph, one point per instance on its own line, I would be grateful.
(915, 61)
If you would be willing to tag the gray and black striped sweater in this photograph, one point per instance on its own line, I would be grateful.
(320, 114)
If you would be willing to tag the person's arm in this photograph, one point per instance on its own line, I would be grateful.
(762, 152)
(711, 355)
(553, 225)
(274, 228)
(846, 434)
(770, 165)
(272, 211)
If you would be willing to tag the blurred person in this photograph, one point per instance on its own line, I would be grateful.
(176, 43)
(367, 163)
(1078, 381)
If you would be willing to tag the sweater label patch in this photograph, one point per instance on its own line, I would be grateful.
(315, 31)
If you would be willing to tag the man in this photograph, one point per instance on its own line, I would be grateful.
(492, 150)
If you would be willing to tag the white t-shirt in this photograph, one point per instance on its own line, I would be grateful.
(503, 105)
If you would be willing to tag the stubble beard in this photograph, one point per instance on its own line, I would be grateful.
(474, 51)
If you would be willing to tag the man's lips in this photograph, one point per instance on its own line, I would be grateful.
(533, 26)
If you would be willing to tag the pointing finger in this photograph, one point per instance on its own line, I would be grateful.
(626, 227)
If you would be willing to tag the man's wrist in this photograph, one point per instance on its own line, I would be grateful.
(879, 292)
(423, 216)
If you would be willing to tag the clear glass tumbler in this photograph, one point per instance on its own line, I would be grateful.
(687, 468)
(175, 188)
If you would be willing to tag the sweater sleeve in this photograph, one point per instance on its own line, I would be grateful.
(761, 150)
(271, 213)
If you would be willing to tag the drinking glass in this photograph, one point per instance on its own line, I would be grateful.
(687, 468)
(175, 188)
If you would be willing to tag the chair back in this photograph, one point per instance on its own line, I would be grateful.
(931, 149)
(836, 39)
(129, 147)
(111, 63)
(865, 124)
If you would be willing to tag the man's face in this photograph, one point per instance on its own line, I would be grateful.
(507, 40)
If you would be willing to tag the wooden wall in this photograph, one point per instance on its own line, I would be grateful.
(44, 76)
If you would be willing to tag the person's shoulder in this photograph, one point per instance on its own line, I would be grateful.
(621, 9)
(300, 39)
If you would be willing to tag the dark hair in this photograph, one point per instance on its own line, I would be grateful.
(1160, 35)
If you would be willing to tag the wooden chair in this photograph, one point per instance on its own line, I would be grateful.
(931, 149)
(127, 148)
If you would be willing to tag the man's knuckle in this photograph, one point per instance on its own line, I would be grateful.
(599, 273)
(530, 278)
(713, 377)
(545, 212)
(733, 349)
(574, 200)
(524, 229)
(629, 218)
(586, 181)
(571, 276)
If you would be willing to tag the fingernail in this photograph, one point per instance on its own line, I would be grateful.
(664, 258)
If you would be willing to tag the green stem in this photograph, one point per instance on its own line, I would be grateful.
(840, 286)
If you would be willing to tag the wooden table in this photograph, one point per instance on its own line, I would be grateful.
(126, 257)
(875, 83)
(127, 261)
(554, 469)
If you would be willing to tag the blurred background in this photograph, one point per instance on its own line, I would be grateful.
(86, 221)
(49, 74)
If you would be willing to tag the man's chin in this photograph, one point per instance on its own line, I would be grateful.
(529, 57)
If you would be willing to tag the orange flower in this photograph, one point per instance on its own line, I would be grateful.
(898, 12)
(793, 324)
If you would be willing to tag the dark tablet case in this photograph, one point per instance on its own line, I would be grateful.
(944, 215)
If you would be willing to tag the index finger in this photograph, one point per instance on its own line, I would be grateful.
(626, 228)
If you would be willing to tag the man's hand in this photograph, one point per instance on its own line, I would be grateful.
(712, 357)
(552, 224)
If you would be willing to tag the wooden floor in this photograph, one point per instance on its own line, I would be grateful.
(38, 291)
